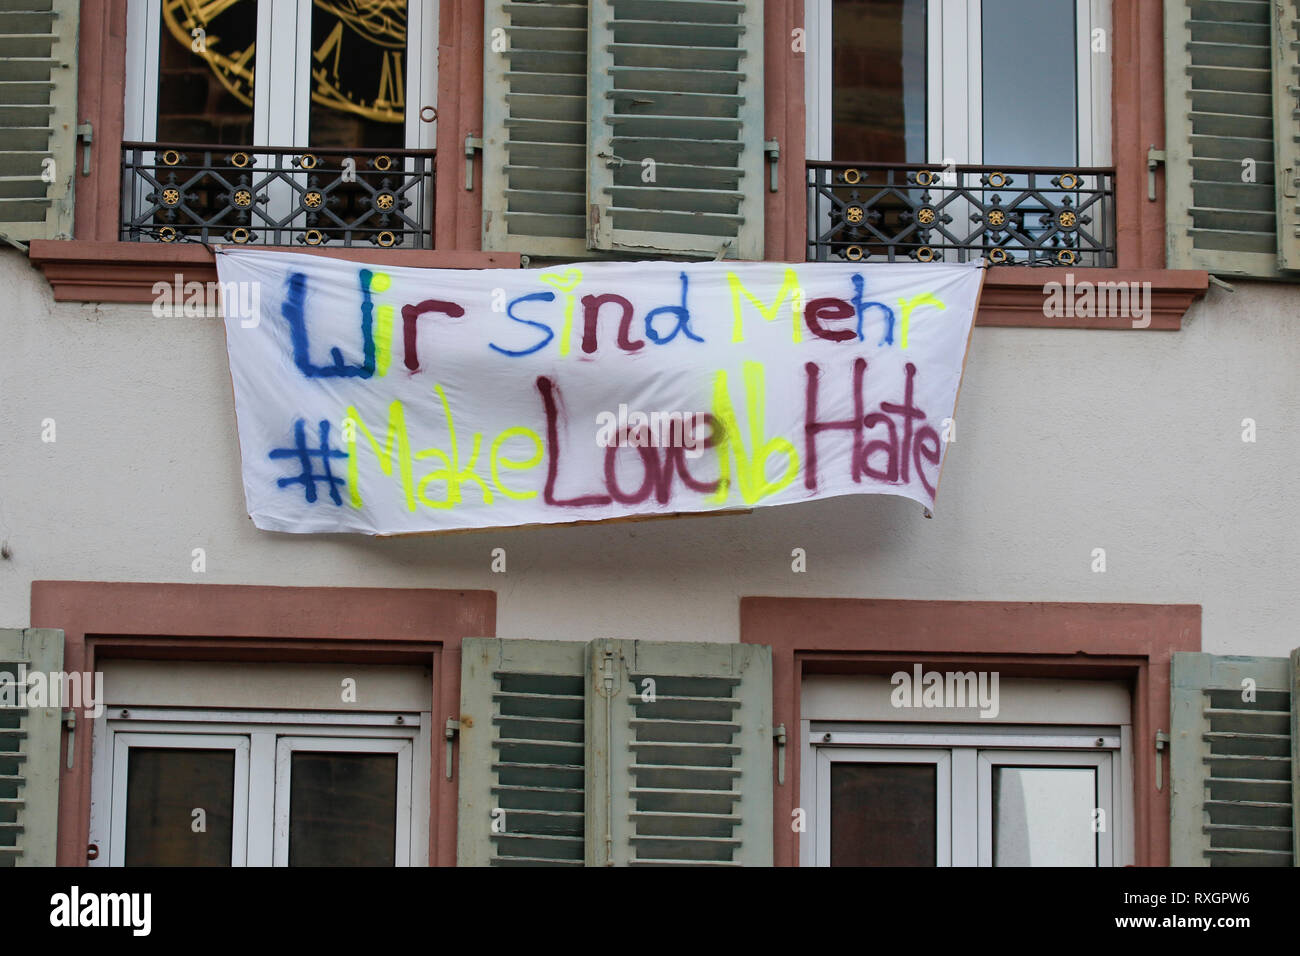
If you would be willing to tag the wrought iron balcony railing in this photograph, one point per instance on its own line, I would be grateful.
(277, 196)
(1010, 215)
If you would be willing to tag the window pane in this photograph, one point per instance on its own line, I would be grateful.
(164, 787)
(206, 95)
(1030, 75)
(878, 51)
(883, 814)
(1042, 816)
(358, 73)
(342, 809)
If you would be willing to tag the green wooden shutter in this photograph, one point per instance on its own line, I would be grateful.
(521, 753)
(535, 127)
(38, 117)
(1286, 119)
(1231, 762)
(30, 738)
(1219, 83)
(680, 754)
(676, 83)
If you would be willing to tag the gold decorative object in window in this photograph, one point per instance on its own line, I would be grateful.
(312, 199)
(925, 254)
(385, 201)
(997, 254)
(926, 178)
(925, 215)
(386, 238)
(307, 161)
(852, 176)
(239, 234)
(240, 159)
(167, 234)
(1068, 181)
(1068, 219)
(998, 180)
(171, 157)
(996, 218)
(313, 237)
(853, 252)
(854, 214)
(1066, 257)
(171, 196)
(382, 163)
(243, 197)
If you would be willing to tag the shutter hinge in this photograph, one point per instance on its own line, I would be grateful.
(450, 731)
(472, 143)
(20, 246)
(70, 724)
(85, 133)
(772, 148)
(1162, 740)
(779, 735)
(1155, 158)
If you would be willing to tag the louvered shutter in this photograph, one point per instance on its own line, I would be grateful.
(521, 753)
(38, 122)
(676, 127)
(30, 738)
(535, 127)
(1219, 121)
(680, 750)
(1231, 759)
(1286, 117)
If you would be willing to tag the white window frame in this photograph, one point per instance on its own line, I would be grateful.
(286, 747)
(954, 82)
(260, 731)
(973, 750)
(940, 759)
(281, 109)
(1107, 799)
(124, 743)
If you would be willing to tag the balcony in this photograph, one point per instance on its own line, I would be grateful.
(1008, 215)
(264, 195)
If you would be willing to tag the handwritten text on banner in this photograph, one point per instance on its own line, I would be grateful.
(391, 400)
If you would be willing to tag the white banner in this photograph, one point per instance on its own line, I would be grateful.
(390, 400)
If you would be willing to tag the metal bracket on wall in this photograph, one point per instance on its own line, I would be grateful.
(779, 735)
(772, 148)
(70, 722)
(1162, 740)
(85, 133)
(450, 732)
(1155, 159)
(472, 143)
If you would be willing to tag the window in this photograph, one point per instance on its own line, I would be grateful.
(228, 788)
(1013, 82)
(939, 795)
(919, 113)
(324, 73)
(178, 787)
(624, 126)
(309, 121)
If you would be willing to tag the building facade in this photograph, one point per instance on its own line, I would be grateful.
(1108, 579)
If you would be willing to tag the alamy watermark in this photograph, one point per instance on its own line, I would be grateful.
(194, 299)
(955, 690)
(637, 429)
(76, 690)
(1102, 300)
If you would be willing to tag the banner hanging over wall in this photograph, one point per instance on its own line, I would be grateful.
(393, 400)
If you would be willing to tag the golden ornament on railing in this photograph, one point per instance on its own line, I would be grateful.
(851, 176)
(853, 252)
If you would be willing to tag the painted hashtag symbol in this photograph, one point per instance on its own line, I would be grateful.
(304, 453)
